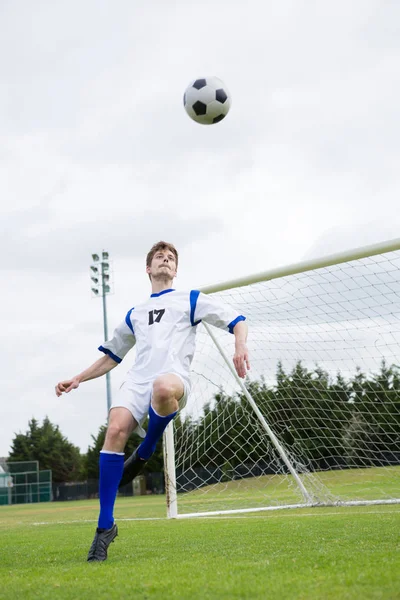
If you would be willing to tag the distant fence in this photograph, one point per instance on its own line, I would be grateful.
(153, 483)
(23, 483)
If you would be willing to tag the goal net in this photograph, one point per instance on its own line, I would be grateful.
(317, 420)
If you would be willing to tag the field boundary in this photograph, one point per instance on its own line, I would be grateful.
(264, 515)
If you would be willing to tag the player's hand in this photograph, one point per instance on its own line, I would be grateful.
(67, 386)
(241, 360)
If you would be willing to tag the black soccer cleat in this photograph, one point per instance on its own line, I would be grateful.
(102, 539)
(132, 467)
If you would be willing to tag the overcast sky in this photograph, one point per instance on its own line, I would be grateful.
(97, 153)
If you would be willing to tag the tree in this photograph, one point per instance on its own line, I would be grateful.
(92, 455)
(327, 422)
(46, 444)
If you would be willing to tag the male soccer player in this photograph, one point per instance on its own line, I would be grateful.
(163, 329)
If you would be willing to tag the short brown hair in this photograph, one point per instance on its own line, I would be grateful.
(161, 246)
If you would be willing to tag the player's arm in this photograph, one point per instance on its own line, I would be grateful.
(115, 350)
(241, 356)
(225, 317)
(97, 369)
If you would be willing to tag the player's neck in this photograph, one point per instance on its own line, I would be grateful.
(160, 286)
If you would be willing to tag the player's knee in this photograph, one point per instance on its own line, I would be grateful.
(163, 390)
(116, 433)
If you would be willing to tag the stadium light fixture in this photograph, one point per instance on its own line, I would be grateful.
(100, 276)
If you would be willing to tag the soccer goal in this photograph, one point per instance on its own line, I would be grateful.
(317, 420)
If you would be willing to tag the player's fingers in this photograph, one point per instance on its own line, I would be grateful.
(73, 385)
(241, 363)
(240, 368)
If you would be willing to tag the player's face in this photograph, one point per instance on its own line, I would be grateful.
(163, 265)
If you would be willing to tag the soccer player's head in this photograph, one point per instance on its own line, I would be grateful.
(162, 262)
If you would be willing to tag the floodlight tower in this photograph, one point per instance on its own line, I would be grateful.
(101, 286)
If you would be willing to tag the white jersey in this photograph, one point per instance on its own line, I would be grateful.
(164, 330)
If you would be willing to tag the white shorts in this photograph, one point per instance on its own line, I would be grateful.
(136, 397)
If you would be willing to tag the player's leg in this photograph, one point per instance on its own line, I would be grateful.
(167, 391)
(121, 425)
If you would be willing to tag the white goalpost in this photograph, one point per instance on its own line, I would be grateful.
(317, 420)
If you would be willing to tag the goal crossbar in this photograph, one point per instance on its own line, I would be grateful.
(306, 265)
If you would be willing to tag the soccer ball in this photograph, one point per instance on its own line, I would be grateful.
(207, 100)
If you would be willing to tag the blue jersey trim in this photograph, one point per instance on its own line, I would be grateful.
(194, 294)
(110, 354)
(161, 293)
(128, 320)
(233, 323)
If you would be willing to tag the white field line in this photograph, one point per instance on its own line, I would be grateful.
(278, 516)
(236, 516)
(95, 520)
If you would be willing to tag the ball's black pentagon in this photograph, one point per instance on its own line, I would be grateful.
(199, 108)
(221, 96)
(199, 83)
(218, 119)
(184, 99)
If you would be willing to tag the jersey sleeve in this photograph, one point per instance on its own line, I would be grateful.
(212, 311)
(122, 341)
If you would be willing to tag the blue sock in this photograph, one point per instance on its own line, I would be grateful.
(111, 467)
(156, 427)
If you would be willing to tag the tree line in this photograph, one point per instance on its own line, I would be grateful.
(329, 422)
(324, 422)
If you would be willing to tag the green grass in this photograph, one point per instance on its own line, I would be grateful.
(349, 484)
(325, 553)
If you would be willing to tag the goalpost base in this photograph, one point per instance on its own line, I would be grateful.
(216, 513)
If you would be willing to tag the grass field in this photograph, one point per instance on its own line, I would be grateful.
(348, 484)
(333, 553)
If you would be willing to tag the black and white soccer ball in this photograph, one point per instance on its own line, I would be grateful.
(207, 100)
